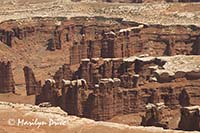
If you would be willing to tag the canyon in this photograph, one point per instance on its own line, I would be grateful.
(102, 68)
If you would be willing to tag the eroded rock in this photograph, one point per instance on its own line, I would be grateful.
(7, 83)
(190, 118)
(33, 87)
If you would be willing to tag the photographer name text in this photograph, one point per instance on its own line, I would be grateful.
(36, 122)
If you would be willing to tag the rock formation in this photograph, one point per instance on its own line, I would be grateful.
(129, 80)
(184, 98)
(6, 37)
(108, 96)
(95, 38)
(196, 47)
(49, 93)
(64, 72)
(171, 99)
(113, 66)
(33, 87)
(190, 118)
(154, 98)
(153, 116)
(74, 96)
(7, 83)
(105, 101)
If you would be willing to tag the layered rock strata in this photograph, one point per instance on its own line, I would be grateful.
(103, 37)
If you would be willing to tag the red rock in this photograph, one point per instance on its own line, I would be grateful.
(6, 78)
(74, 96)
(153, 116)
(190, 119)
(184, 98)
(33, 87)
(105, 101)
(64, 72)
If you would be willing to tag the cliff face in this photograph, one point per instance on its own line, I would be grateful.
(101, 37)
